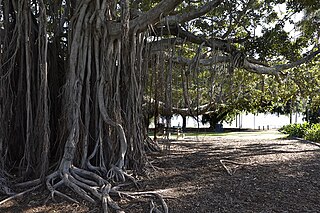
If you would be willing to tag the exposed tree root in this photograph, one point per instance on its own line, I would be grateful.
(92, 187)
(19, 194)
(154, 208)
(151, 145)
(4, 185)
(229, 171)
(29, 183)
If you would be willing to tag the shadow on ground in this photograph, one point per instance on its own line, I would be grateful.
(268, 175)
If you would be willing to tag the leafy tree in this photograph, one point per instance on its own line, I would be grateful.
(74, 76)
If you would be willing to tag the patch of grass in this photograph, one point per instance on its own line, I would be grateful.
(207, 133)
(241, 133)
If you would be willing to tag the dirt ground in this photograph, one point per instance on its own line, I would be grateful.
(241, 172)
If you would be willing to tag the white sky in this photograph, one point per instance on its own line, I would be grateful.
(281, 10)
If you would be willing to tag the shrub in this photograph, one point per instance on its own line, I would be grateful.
(296, 130)
(313, 133)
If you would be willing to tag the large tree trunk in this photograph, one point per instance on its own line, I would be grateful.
(214, 118)
(102, 122)
(91, 123)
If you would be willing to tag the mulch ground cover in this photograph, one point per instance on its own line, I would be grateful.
(245, 172)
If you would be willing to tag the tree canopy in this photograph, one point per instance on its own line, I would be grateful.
(216, 47)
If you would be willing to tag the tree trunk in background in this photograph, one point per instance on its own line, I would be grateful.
(184, 123)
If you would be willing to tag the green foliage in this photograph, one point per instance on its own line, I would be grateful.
(313, 133)
(306, 130)
(296, 130)
(259, 31)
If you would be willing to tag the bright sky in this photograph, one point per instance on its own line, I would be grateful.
(281, 10)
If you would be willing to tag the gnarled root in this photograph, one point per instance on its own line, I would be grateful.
(229, 171)
(153, 206)
(118, 175)
(151, 146)
(92, 187)
(4, 185)
(19, 194)
(88, 185)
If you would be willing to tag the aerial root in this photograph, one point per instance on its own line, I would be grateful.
(92, 187)
(153, 207)
(107, 200)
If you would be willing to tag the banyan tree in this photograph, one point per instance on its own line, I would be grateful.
(74, 77)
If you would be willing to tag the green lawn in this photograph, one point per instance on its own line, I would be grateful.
(227, 133)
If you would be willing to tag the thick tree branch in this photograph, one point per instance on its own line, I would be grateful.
(203, 62)
(215, 43)
(257, 68)
(165, 44)
(155, 14)
(150, 17)
(197, 12)
(249, 64)
(203, 109)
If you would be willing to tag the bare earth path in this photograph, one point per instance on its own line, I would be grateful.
(273, 174)
(243, 172)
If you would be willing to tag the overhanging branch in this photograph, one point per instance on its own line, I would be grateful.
(214, 43)
(203, 109)
(275, 70)
(155, 14)
(204, 62)
(150, 17)
(197, 12)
